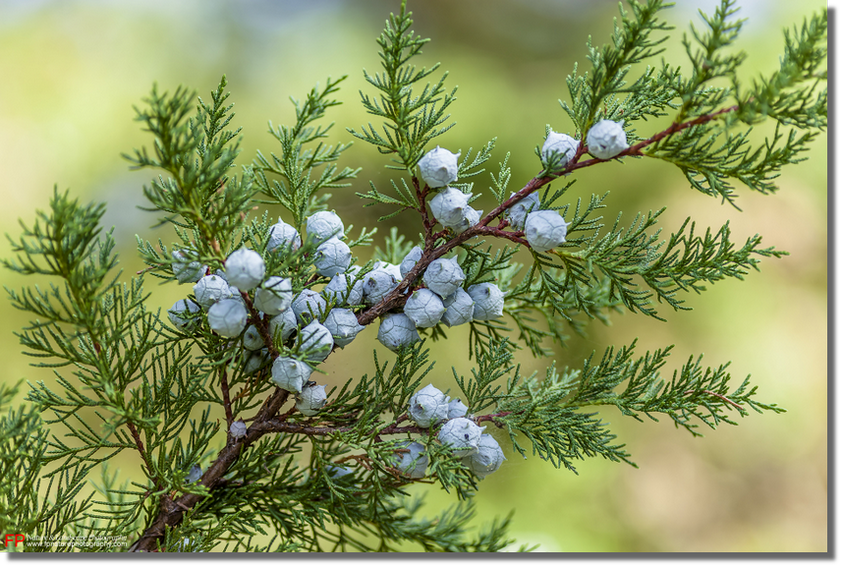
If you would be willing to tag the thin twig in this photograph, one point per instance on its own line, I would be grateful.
(716, 395)
(492, 417)
(226, 398)
(141, 449)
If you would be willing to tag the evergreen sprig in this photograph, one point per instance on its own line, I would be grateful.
(710, 158)
(710, 60)
(224, 451)
(293, 187)
(631, 42)
(198, 153)
(412, 118)
(793, 95)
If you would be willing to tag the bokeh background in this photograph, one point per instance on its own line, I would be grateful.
(72, 70)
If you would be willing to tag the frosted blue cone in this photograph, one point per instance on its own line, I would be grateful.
(324, 225)
(444, 276)
(410, 260)
(290, 374)
(308, 305)
(397, 330)
(343, 326)
(428, 406)
(471, 218)
(252, 339)
(458, 308)
(606, 139)
(332, 257)
(283, 325)
(424, 307)
(227, 318)
(186, 272)
(411, 459)
(516, 214)
(274, 296)
(487, 458)
(282, 234)
(180, 315)
(316, 342)
(545, 230)
(337, 289)
(462, 435)
(377, 284)
(255, 360)
(488, 301)
(439, 167)
(561, 144)
(393, 269)
(238, 429)
(311, 399)
(244, 269)
(211, 289)
(448, 207)
(456, 409)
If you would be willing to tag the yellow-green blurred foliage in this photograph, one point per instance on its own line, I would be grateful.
(72, 69)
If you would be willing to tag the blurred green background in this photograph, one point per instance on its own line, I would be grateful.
(72, 69)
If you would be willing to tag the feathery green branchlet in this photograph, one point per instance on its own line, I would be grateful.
(412, 118)
(290, 182)
(127, 380)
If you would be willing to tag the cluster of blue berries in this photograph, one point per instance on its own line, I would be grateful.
(606, 139)
(439, 168)
(221, 297)
(326, 319)
(442, 300)
(429, 407)
(544, 229)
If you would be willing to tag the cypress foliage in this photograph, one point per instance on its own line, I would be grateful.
(331, 481)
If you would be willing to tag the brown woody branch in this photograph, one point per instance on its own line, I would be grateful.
(172, 510)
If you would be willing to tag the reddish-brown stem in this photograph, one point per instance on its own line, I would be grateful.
(636, 149)
(496, 231)
(428, 222)
(171, 511)
(140, 447)
(286, 414)
(277, 425)
(394, 429)
(492, 417)
(262, 325)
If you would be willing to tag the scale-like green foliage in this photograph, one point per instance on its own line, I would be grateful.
(412, 118)
(129, 379)
(295, 190)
